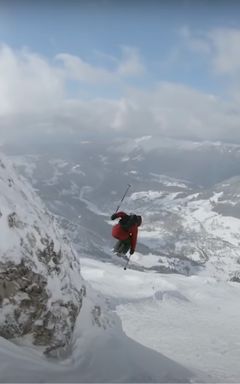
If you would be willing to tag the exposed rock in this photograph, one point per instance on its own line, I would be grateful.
(96, 313)
(235, 277)
(41, 289)
(14, 221)
(2, 165)
(10, 182)
(25, 291)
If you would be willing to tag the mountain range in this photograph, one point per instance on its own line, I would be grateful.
(183, 278)
(53, 326)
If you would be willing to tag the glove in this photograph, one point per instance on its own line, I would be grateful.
(131, 251)
(114, 216)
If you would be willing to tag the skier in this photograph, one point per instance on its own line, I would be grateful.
(126, 232)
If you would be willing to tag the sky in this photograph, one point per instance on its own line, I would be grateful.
(165, 68)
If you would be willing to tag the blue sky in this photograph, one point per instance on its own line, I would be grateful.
(91, 28)
(125, 52)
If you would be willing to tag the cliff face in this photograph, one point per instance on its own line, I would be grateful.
(41, 289)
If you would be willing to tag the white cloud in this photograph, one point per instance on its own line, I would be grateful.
(169, 110)
(221, 49)
(179, 111)
(27, 82)
(221, 45)
(131, 64)
(226, 50)
(198, 44)
(30, 83)
(32, 87)
(128, 65)
(78, 69)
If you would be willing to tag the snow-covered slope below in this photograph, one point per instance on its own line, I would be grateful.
(47, 307)
(193, 320)
(101, 353)
(180, 295)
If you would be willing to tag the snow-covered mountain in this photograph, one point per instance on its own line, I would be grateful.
(187, 228)
(187, 233)
(180, 293)
(47, 308)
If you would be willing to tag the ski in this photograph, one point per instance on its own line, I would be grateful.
(122, 256)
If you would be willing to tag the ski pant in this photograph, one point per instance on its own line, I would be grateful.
(122, 246)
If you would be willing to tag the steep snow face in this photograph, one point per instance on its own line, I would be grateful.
(41, 289)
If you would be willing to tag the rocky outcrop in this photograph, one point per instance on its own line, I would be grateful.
(235, 277)
(41, 289)
(24, 299)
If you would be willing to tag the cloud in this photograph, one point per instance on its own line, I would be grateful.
(169, 110)
(28, 83)
(78, 69)
(196, 43)
(131, 64)
(183, 112)
(128, 65)
(33, 96)
(226, 50)
(220, 45)
(178, 111)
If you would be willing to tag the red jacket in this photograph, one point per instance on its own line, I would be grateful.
(121, 234)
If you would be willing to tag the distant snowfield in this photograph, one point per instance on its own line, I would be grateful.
(192, 320)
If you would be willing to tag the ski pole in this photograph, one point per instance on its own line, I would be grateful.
(127, 263)
(129, 186)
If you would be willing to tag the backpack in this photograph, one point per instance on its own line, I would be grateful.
(128, 221)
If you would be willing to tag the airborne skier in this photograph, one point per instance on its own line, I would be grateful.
(126, 231)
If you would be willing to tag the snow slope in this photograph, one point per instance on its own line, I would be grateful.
(193, 320)
(192, 317)
(47, 307)
(97, 356)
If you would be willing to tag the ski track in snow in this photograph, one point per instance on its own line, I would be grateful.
(192, 320)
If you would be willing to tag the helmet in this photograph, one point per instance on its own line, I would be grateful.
(136, 219)
(139, 220)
